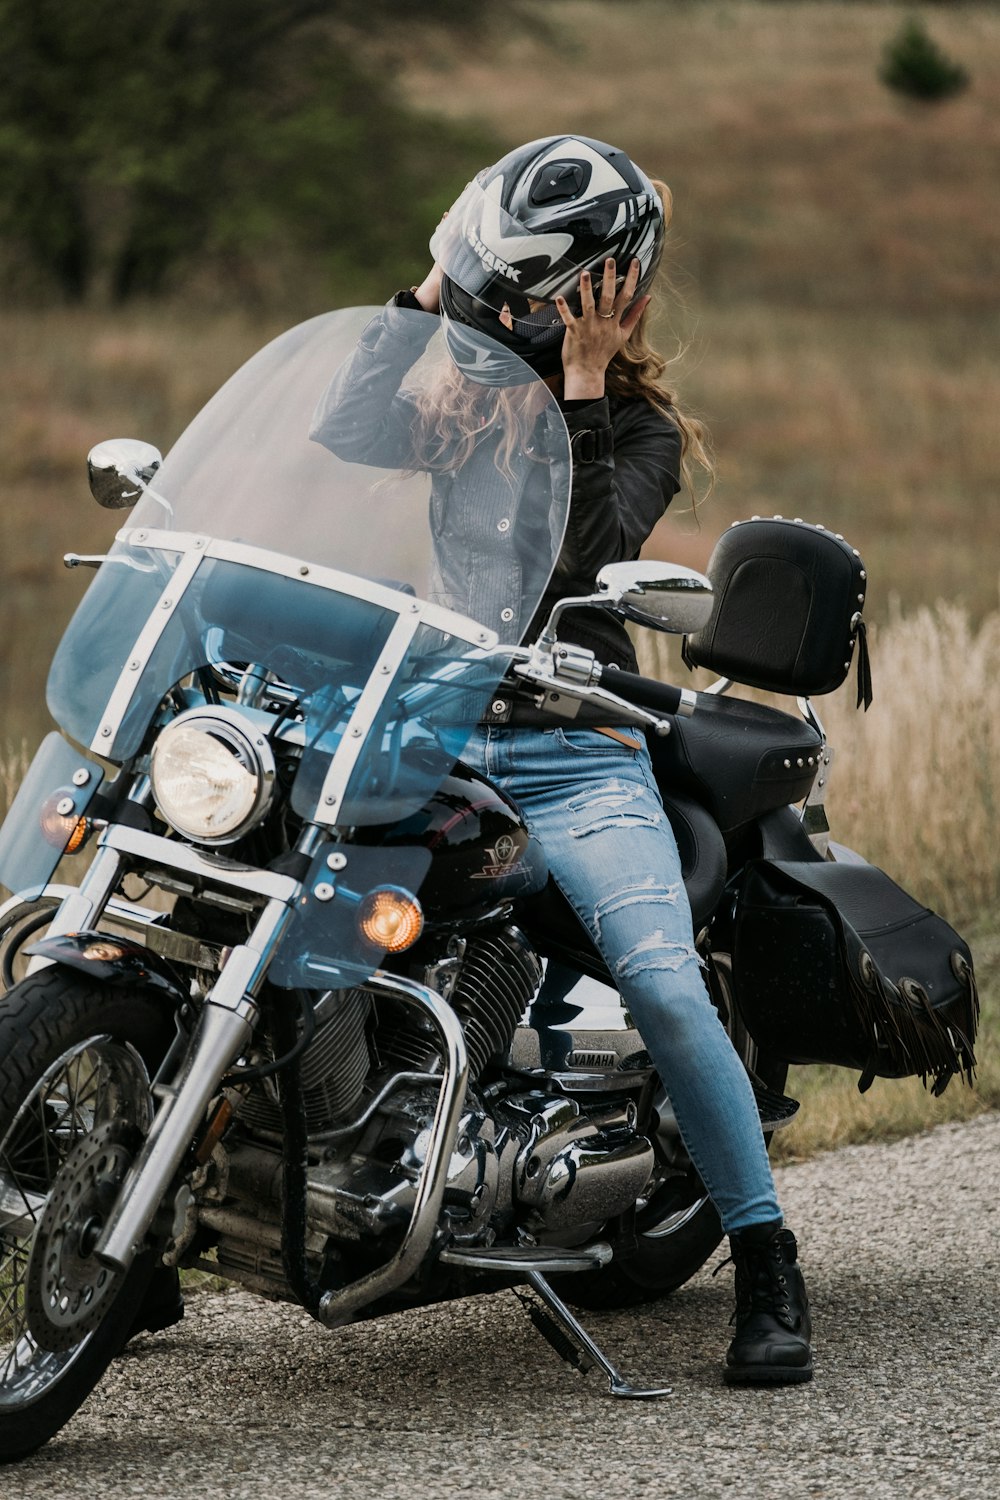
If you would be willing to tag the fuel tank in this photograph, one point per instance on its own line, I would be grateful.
(482, 855)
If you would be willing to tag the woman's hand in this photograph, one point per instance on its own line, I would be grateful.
(428, 293)
(602, 329)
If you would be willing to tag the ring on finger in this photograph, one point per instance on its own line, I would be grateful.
(611, 314)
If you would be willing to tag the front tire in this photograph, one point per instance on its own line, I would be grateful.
(75, 1062)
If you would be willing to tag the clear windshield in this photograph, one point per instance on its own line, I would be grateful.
(360, 519)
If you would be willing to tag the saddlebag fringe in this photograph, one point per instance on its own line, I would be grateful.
(837, 964)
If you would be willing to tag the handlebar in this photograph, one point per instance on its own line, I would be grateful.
(661, 697)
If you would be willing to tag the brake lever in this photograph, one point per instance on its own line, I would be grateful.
(555, 688)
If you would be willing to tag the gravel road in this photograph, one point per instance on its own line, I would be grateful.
(900, 1248)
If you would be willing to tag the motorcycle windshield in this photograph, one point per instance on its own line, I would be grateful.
(368, 522)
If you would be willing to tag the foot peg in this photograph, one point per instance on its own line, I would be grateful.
(575, 1346)
(775, 1109)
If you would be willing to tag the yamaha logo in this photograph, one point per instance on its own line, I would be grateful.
(504, 849)
(593, 1062)
(502, 859)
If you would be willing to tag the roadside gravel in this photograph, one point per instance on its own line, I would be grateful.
(900, 1248)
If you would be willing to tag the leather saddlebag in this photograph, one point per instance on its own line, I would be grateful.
(835, 963)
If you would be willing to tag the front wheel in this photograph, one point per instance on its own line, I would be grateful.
(75, 1063)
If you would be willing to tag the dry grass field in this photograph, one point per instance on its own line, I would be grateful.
(836, 251)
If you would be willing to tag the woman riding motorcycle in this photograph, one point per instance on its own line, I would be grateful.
(551, 252)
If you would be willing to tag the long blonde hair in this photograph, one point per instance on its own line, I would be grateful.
(637, 370)
(454, 413)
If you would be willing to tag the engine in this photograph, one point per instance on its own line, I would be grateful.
(529, 1160)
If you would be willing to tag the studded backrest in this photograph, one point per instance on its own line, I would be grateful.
(787, 613)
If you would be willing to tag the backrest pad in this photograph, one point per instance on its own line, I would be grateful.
(788, 601)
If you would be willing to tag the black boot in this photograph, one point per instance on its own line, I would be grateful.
(771, 1346)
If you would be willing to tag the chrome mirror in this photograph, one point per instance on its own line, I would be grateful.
(662, 595)
(119, 471)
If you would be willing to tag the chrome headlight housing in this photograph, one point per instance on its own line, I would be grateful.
(212, 773)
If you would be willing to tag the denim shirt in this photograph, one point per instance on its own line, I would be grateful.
(626, 457)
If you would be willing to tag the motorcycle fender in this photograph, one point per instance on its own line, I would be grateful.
(112, 960)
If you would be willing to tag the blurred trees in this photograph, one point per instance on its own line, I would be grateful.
(914, 64)
(140, 142)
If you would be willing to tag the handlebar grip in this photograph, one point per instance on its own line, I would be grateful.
(661, 697)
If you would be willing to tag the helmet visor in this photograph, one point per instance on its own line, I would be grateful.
(496, 259)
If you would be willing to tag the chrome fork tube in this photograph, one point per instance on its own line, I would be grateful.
(79, 909)
(224, 1029)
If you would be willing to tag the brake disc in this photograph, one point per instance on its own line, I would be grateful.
(67, 1290)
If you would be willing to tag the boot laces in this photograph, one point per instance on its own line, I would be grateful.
(761, 1283)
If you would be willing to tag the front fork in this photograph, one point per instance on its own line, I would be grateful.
(224, 1029)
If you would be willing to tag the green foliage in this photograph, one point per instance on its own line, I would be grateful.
(140, 143)
(914, 64)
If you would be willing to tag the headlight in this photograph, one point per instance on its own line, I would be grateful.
(212, 774)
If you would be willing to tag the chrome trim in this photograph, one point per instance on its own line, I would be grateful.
(339, 1306)
(225, 1028)
(540, 672)
(145, 643)
(813, 811)
(675, 1221)
(326, 1137)
(523, 1258)
(267, 561)
(374, 694)
(617, 1384)
(718, 687)
(78, 909)
(808, 712)
(119, 471)
(193, 548)
(151, 848)
(238, 732)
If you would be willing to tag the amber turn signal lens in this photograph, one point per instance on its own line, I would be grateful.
(391, 918)
(61, 826)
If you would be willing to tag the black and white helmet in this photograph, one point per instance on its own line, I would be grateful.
(524, 229)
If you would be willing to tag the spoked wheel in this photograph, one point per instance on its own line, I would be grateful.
(75, 1104)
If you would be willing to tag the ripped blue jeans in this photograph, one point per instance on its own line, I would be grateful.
(593, 805)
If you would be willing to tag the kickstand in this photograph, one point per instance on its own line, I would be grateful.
(576, 1346)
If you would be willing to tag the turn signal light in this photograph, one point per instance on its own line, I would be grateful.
(391, 918)
(60, 823)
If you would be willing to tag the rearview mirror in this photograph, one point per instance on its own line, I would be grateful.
(664, 596)
(119, 470)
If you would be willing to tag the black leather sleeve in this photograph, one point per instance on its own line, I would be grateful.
(362, 416)
(626, 471)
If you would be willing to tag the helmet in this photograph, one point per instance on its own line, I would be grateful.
(524, 229)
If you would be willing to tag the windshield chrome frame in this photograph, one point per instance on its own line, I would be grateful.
(411, 613)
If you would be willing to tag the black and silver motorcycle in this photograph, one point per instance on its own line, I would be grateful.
(312, 1015)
